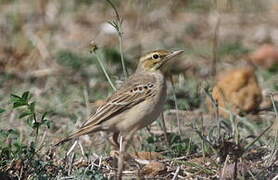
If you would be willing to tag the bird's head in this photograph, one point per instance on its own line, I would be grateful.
(154, 60)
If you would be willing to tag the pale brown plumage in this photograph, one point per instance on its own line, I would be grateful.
(136, 104)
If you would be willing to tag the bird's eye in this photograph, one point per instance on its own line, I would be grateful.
(155, 56)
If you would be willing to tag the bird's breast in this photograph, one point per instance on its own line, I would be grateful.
(144, 113)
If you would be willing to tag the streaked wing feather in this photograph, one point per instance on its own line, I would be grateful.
(118, 103)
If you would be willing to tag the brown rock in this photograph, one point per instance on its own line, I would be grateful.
(266, 56)
(238, 91)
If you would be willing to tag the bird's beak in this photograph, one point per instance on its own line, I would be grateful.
(166, 58)
(171, 55)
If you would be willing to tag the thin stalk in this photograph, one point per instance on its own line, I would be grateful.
(121, 53)
(35, 120)
(215, 47)
(273, 151)
(205, 139)
(164, 129)
(218, 120)
(237, 139)
(274, 106)
(203, 142)
(235, 169)
(225, 166)
(115, 10)
(104, 71)
(189, 146)
(257, 138)
(117, 24)
(176, 104)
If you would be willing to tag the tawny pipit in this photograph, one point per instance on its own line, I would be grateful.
(136, 104)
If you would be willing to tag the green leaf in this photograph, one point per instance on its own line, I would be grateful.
(25, 95)
(2, 110)
(30, 121)
(27, 113)
(15, 96)
(4, 133)
(13, 131)
(43, 116)
(32, 107)
(36, 125)
(19, 103)
(46, 122)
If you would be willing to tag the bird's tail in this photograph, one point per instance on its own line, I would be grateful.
(83, 131)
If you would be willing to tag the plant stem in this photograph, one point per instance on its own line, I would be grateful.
(176, 104)
(117, 24)
(274, 106)
(104, 71)
(256, 139)
(121, 52)
(203, 134)
(215, 48)
(164, 129)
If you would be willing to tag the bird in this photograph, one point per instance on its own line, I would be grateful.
(135, 105)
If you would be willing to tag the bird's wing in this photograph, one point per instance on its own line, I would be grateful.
(125, 98)
(122, 100)
(135, 90)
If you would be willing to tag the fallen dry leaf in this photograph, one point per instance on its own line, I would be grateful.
(266, 56)
(237, 90)
(154, 168)
(116, 154)
(147, 155)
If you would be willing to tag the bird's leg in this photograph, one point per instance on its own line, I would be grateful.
(114, 140)
(81, 148)
(115, 147)
(72, 147)
(124, 142)
(121, 158)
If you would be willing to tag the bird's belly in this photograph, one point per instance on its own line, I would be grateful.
(141, 115)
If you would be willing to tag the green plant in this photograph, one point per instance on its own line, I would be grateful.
(17, 157)
(10, 147)
(29, 112)
(2, 110)
(178, 145)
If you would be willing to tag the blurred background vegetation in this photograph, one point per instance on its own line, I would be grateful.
(44, 50)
